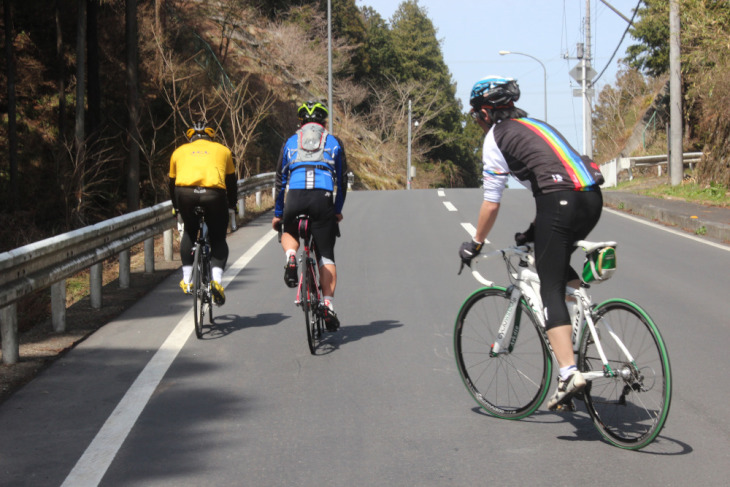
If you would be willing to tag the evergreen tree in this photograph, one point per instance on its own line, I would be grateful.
(419, 58)
(379, 46)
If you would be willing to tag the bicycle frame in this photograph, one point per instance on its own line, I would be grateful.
(526, 284)
(307, 254)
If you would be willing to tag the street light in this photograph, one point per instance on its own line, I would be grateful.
(409, 169)
(544, 72)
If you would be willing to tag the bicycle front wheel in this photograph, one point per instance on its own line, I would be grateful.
(512, 383)
(198, 292)
(630, 404)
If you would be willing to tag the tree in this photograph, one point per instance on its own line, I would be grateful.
(133, 106)
(60, 66)
(94, 83)
(379, 46)
(13, 193)
(80, 127)
(348, 25)
(419, 58)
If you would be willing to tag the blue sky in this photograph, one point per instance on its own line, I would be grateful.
(472, 32)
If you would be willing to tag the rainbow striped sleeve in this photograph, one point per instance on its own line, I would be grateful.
(571, 160)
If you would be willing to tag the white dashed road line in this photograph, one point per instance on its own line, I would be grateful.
(449, 206)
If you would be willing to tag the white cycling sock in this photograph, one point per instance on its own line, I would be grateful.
(566, 372)
(330, 302)
(290, 252)
(187, 273)
(217, 274)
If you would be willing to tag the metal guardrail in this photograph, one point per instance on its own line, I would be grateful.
(49, 262)
(612, 168)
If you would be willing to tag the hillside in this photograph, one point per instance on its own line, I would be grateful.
(243, 70)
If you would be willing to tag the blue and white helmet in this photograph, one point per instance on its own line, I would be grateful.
(494, 92)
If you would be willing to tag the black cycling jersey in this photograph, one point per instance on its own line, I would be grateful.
(536, 153)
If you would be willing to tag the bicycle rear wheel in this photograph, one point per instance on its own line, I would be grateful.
(310, 303)
(198, 305)
(207, 291)
(514, 382)
(631, 408)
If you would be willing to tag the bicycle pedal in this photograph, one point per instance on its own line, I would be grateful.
(566, 407)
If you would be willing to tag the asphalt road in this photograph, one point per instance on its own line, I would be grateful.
(143, 402)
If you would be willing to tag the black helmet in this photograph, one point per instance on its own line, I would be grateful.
(494, 92)
(200, 130)
(312, 111)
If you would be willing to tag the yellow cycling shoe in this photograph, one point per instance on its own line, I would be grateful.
(187, 288)
(219, 297)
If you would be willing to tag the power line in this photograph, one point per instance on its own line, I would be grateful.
(619, 43)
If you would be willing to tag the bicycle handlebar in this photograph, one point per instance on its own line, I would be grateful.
(522, 251)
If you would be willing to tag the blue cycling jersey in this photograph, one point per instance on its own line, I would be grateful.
(325, 174)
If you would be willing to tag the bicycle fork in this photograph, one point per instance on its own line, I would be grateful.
(512, 319)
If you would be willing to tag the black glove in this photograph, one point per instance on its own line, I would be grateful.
(526, 236)
(468, 251)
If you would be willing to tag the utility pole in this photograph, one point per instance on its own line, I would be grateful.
(583, 73)
(587, 115)
(676, 164)
(330, 127)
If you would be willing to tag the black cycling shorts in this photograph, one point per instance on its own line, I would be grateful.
(215, 203)
(562, 218)
(318, 204)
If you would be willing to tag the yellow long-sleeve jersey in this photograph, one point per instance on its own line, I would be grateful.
(201, 163)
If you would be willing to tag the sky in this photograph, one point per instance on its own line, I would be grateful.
(472, 32)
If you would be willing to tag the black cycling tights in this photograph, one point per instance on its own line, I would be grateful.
(562, 218)
(216, 217)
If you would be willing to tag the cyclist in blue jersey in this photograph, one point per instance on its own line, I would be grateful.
(312, 165)
(568, 203)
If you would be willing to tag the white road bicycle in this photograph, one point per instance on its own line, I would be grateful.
(504, 356)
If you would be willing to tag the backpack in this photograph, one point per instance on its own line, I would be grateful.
(310, 143)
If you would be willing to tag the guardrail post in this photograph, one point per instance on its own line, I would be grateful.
(149, 255)
(258, 199)
(9, 333)
(124, 269)
(167, 243)
(58, 306)
(273, 194)
(95, 284)
(241, 208)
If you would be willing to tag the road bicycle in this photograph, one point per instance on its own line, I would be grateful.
(202, 277)
(505, 359)
(309, 291)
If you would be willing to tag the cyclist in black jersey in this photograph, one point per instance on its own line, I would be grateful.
(568, 204)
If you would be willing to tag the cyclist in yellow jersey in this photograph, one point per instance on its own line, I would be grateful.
(202, 174)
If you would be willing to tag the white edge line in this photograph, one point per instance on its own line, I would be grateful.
(95, 461)
(668, 229)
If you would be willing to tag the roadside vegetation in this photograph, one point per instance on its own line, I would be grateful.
(78, 146)
(712, 194)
